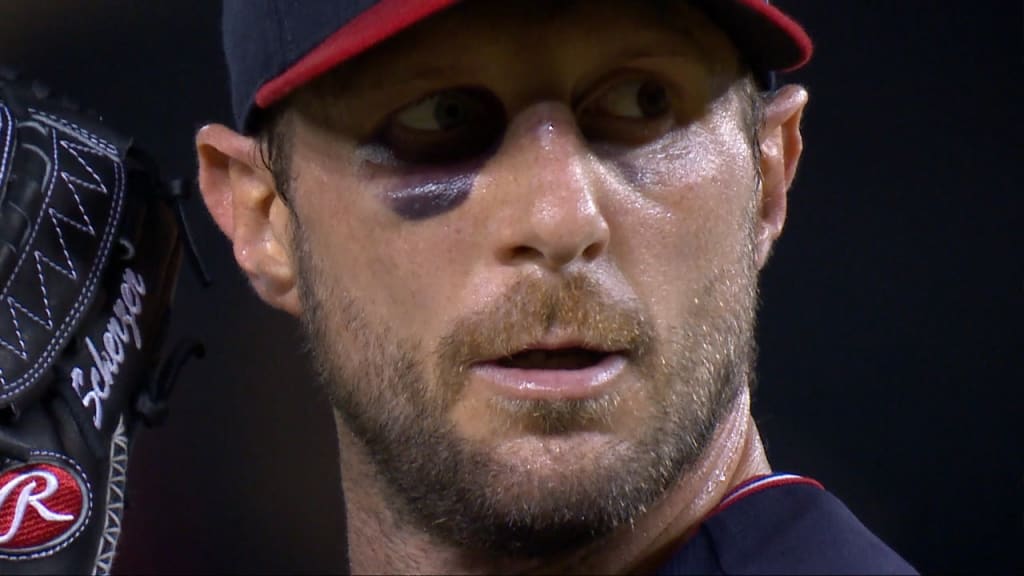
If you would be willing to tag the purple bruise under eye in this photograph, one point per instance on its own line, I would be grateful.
(431, 198)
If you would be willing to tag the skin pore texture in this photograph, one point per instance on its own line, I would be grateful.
(501, 179)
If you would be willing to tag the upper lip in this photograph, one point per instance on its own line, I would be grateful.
(554, 344)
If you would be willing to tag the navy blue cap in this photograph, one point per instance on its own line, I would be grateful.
(275, 46)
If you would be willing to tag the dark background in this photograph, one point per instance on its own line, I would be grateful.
(890, 331)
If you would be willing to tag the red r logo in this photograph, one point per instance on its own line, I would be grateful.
(41, 505)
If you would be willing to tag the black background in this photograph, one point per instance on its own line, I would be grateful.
(890, 330)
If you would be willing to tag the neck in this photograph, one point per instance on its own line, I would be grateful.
(379, 542)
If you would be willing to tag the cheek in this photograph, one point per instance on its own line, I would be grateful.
(705, 165)
(397, 273)
(688, 213)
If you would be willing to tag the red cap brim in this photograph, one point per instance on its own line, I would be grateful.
(769, 38)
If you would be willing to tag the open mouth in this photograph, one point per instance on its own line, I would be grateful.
(560, 359)
(556, 373)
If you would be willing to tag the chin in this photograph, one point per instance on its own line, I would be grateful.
(551, 495)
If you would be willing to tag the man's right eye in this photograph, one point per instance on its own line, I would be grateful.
(445, 127)
(443, 111)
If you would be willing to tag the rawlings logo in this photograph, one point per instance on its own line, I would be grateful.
(122, 329)
(41, 505)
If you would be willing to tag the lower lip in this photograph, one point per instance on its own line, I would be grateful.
(552, 384)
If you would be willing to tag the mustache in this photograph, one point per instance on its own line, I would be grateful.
(575, 306)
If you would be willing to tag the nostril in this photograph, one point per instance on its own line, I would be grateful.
(552, 256)
(524, 253)
(593, 251)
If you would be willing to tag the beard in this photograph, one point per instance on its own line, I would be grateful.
(499, 498)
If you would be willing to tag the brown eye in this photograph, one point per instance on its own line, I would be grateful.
(446, 126)
(632, 110)
(634, 99)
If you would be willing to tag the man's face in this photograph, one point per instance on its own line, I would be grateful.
(525, 240)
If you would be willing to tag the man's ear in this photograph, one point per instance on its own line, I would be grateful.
(240, 194)
(781, 145)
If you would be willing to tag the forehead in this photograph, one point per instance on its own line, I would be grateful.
(537, 36)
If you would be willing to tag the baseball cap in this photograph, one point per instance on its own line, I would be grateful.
(276, 46)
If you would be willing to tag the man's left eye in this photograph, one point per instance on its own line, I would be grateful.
(630, 111)
(637, 99)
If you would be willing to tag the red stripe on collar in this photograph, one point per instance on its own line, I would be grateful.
(759, 484)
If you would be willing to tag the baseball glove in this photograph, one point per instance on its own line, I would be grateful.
(89, 257)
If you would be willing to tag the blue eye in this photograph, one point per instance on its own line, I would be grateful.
(446, 126)
(440, 112)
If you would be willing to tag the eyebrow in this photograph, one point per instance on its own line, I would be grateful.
(420, 75)
(428, 74)
(368, 81)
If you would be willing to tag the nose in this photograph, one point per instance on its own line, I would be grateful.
(548, 188)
